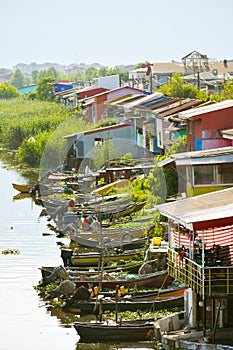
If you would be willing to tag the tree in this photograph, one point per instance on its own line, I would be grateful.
(227, 92)
(45, 89)
(17, 79)
(177, 88)
(34, 76)
(91, 73)
(8, 91)
(104, 153)
(51, 72)
(163, 183)
(102, 71)
(138, 65)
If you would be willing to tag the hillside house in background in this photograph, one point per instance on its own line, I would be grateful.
(196, 68)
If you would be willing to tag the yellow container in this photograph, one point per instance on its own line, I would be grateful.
(157, 241)
(96, 289)
(122, 289)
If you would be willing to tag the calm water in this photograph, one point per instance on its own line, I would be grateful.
(25, 322)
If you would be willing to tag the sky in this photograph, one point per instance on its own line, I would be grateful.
(113, 32)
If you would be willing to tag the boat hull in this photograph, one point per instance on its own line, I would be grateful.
(23, 188)
(93, 307)
(99, 332)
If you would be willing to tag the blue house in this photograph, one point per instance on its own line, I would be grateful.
(80, 146)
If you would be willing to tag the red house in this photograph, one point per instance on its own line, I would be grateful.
(204, 125)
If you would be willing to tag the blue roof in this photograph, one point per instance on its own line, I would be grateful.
(26, 89)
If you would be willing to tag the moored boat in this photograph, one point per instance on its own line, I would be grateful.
(125, 241)
(108, 304)
(91, 259)
(124, 331)
(23, 188)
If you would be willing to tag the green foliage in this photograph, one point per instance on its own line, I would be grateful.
(91, 73)
(11, 251)
(51, 72)
(127, 157)
(105, 122)
(177, 88)
(102, 154)
(22, 118)
(45, 89)
(31, 149)
(157, 187)
(227, 92)
(140, 188)
(34, 76)
(138, 65)
(178, 147)
(17, 79)
(8, 91)
(55, 150)
(102, 71)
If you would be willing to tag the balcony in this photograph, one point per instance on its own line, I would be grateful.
(212, 281)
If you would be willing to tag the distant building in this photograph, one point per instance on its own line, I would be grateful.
(27, 89)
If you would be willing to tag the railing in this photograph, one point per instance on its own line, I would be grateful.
(212, 281)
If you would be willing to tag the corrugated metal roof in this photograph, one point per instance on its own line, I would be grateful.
(206, 109)
(204, 153)
(210, 156)
(180, 107)
(227, 133)
(206, 207)
(144, 99)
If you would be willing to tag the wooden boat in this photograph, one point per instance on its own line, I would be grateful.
(91, 259)
(107, 304)
(104, 213)
(117, 184)
(124, 331)
(174, 291)
(111, 280)
(126, 241)
(51, 273)
(116, 212)
(23, 188)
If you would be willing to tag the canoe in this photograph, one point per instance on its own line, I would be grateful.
(124, 331)
(93, 258)
(126, 241)
(23, 188)
(89, 307)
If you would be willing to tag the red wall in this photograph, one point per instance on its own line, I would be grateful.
(216, 120)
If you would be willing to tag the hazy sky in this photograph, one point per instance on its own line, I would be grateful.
(113, 32)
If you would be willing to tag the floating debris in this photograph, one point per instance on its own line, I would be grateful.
(11, 251)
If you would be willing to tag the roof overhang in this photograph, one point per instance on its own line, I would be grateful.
(210, 207)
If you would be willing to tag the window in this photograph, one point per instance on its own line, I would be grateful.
(203, 174)
(98, 142)
(225, 173)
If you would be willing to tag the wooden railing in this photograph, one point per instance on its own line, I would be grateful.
(212, 281)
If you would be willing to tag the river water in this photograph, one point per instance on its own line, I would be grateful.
(26, 323)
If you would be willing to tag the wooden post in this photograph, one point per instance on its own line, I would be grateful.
(117, 289)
